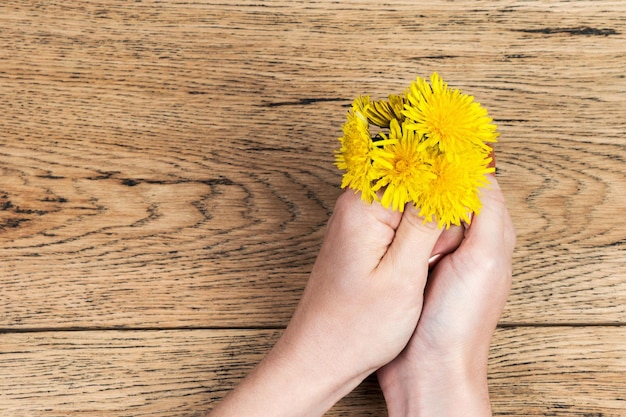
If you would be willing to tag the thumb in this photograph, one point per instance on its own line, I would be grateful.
(358, 232)
(491, 231)
(412, 244)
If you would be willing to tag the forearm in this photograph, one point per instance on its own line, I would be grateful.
(287, 383)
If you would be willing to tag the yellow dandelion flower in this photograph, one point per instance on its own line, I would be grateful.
(432, 150)
(401, 169)
(447, 119)
(382, 112)
(354, 157)
(453, 193)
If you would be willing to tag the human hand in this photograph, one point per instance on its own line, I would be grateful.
(443, 370)
(358, 311)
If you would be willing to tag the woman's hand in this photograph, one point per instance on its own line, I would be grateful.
(358, 311)
(443, 370)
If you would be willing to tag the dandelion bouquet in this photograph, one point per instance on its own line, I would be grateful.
(429, 146)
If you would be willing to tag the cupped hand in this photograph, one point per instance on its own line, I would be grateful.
(364, 296)
(358, 311)
(464, 298)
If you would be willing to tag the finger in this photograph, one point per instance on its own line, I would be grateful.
(492, 229)
(360, 230)
(449, 240)
(413, 244)
(354, 213)
(484, 259)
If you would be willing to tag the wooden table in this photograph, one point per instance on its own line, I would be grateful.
(167, 173)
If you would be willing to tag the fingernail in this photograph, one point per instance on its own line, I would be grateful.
(434, 259)
(492, 155)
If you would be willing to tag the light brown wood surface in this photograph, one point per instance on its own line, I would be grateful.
(534, 371)
(166, 173)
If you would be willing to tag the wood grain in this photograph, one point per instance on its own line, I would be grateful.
(170, 164)
(166, 168)
(556, 371)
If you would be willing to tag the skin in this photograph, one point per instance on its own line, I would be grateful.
(367, 307)
(443, 369)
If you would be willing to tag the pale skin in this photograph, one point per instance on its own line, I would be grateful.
(373, 304)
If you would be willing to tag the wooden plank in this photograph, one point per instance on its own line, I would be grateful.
(559, 371)
(170, 164)
(556, 371)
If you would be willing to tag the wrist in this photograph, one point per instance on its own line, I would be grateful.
(311, 378)
(442, 388)
(455, 387)
(453, 394)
